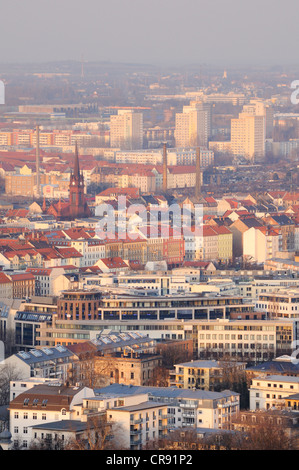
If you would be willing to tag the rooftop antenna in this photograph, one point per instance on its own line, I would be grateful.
(82, 66)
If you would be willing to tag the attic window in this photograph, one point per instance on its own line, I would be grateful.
(44, 402)
(35, 402)
(26, 401)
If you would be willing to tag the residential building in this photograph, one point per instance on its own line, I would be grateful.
(41, 362)
(248, 135)
(41, 404)
(185, 408)
(6, 286)
(285, 420)
(203, 375)
(261, 244)
(193, 125)
(126, 130)
(139, 423)
(270, 392)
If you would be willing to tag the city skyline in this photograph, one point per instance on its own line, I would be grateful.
(172, 33)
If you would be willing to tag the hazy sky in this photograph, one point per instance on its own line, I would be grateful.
(176, 32)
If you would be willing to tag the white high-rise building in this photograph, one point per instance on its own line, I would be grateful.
(193, 125)
(248, 131)
(126, 130)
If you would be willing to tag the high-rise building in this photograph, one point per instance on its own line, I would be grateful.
(248, 132)
(193, 125)
(126, 130)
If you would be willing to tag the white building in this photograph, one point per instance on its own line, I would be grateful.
(280, 303)
(126, 130)
(185, 408)
(193, 125)
(139, 423)
(268, 392)
(41, 363)
(248, 133)
(260, 244)
(43, 404)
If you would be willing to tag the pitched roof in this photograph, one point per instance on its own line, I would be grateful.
(4, 279)
(114, 263)
(22, 277)
(45, 397)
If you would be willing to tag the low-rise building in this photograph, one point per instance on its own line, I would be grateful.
(42, 363)
(271, 391)
(139, 423)
(203, 375)
(185, 408)
(42, 404)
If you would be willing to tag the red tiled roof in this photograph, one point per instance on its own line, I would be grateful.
(221, 230)
(22, 277)
(114, 263)
(4, 279)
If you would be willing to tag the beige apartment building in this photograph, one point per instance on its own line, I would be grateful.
(271, 391)
(128, 369)
(193, 125)
(139, 423)
(25, 184)
(248, 134)
(202, 375)
(126, 130)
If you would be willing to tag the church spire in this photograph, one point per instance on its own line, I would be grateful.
(76, 163)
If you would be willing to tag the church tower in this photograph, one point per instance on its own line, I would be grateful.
(78, 206)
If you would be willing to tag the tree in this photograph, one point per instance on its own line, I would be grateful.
(47, 444)
(160, 377)
(171, 354)
(265, 437)
(92, 370)
(99, 435)
(180, 438)
(7, 374)
(263, 430)
(234, 378)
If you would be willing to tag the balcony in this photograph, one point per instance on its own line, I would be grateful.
(136, 421)
(188, 415)
(137, 442)
(162, 428)
(227, 404)
(134, 432)
(188, 405)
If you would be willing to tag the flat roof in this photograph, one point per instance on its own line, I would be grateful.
(141, 406)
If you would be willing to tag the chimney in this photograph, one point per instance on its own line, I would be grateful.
(197, 174)
(164, 168)
(37, 164)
